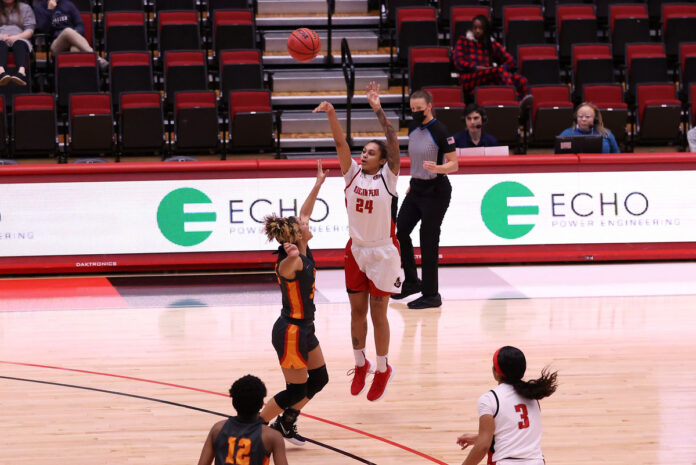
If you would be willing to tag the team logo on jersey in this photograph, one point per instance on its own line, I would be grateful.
(509, 210)
(450, 140)
(397, 283)
(185, 216)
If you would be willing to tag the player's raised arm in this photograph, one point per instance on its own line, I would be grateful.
(342, 147)
(393, 152)
(308, 205)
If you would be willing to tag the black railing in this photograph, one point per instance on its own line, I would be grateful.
(349, 76)
(330, 10)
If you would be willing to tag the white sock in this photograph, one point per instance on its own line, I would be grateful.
(381, 363)
(359, 357)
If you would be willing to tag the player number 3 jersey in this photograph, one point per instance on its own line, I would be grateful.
(517, 424)
(371, 203)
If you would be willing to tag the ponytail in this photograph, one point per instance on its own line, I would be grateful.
(510, 364)
(538, 388)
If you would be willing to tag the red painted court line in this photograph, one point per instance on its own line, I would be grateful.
(144, 380)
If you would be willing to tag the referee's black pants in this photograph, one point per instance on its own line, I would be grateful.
(427, 201)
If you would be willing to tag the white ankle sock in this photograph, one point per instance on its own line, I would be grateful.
(382, 363)
(359, 357)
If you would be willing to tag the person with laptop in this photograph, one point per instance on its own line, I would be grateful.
(473, 136)
(587, 121)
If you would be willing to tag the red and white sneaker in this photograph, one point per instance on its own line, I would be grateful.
(379, 384)
(359, 375)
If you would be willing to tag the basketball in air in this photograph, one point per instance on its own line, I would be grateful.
(304, 44)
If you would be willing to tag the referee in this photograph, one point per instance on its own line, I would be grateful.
(433, 155)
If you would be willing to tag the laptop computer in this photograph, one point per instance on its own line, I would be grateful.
(578, 144)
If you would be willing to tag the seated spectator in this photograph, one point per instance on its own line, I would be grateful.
(587, 121)
(473, 136)
(17, 23)
(691, 139)
(481, 60)
(61, 20)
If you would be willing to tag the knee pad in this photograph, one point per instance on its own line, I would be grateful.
(318, 378)
(292, 394)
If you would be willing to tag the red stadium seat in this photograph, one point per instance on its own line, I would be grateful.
(196, 122)
(91, 124)
(34, 131)
(141, 123)
(503, 112)
(659, 112)
(552, 112)
(250, 120)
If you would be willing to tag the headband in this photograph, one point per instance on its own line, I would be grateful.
(495, 364)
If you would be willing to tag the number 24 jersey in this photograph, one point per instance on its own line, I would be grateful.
(371, 203)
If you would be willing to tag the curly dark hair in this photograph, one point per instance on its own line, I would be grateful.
(282, 229)
(247, 395)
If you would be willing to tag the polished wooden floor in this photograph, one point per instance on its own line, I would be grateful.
(626, 362)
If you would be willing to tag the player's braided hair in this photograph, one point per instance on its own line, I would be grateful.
(509, 362)
(282, 229)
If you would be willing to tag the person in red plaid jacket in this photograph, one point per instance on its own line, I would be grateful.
(481, 60)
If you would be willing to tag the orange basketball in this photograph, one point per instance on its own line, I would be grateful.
(304, 44)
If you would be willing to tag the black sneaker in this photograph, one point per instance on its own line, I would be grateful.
(426, 301)
(19, 79)
(408, 288)
(286, 424)
(5, 78)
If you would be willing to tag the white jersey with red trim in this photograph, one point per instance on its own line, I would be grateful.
(517, 424)
(371, 204)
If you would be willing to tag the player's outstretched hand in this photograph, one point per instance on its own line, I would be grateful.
(291, 249)
(324, 106)
(466, 440)
(321, 175)
(372, 93)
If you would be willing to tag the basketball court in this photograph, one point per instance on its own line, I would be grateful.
(135, 370)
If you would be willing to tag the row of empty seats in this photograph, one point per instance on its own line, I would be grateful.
(656, 117)
(174, 30)
(574, 23)
(133, 71)
(140, 126)
(103, 6)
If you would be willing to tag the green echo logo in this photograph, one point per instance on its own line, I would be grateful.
(508, 210)
(184, 216)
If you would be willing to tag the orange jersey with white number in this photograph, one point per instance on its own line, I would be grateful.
(371, 202)
(517, 424)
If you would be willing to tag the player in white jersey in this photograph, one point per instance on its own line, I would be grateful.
(509, 415)
(372, 261)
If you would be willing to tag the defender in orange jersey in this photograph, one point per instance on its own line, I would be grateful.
(244, 439)
(298, 348)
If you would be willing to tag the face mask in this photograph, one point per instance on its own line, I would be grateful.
(418, 116)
